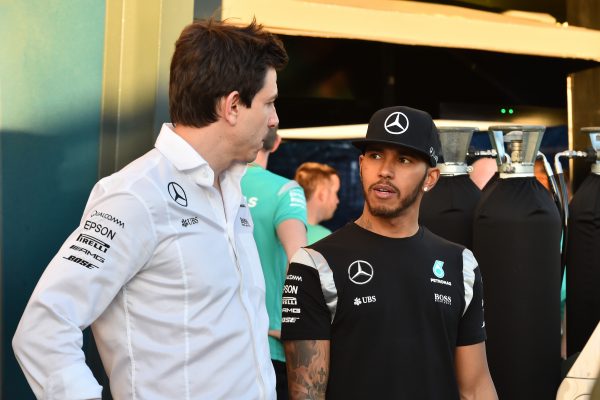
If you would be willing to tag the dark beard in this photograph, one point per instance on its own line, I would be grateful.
(387, 213)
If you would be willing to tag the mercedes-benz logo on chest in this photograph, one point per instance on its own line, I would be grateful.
(177, 193)
(360, 272)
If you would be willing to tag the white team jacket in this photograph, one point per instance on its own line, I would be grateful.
(169, 276)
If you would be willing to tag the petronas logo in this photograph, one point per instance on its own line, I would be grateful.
(438, 269)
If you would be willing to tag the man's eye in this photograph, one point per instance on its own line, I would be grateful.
(404, 160)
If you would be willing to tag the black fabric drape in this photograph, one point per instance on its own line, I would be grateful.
(516, 240)
(447, 210)
(583, 264)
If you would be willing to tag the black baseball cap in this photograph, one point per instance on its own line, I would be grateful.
(406, 127)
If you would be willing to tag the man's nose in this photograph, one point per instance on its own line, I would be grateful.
(273, 119)
(387, 169)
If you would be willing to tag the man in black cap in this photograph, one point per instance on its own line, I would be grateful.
(383, 308)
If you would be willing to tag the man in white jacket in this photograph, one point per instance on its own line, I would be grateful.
(163, 265)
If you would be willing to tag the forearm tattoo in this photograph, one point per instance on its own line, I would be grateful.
(307, 368)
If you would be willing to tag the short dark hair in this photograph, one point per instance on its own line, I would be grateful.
(211, 60)
(309, 174)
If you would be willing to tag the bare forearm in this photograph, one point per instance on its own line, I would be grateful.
(484, 392)
(308, 368)
(292, 235)
(472, 373)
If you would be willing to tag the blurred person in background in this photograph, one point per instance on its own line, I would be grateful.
(483, 169)
(321, 184)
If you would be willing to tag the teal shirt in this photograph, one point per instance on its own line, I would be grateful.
(315, 233)
(272, 199)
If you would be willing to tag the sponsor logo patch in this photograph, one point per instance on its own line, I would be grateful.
(108, 217)
(442, 298)
(360, 272)
(289, 301)
(438, 269)
(244, 222)
(364, 300)
(80, 261)
(93, 242)
(177, 193)
(396, 123)
(98, 228)
(297, 198)
(189, 221)
(252, 201)
(290, 289)
(432, 154)
(88, 253)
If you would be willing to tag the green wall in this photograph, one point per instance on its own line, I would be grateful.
(51, 55)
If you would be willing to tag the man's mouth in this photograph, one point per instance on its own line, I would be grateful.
(384, 191)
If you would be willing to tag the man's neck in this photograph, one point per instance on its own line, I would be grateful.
(312, 214)
(262, 158)
(399, 227)
(208, 142)
(311, 218)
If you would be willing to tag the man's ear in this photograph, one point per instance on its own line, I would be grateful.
(360, 160)
(229, 107)
(320, 191)
(433, 174)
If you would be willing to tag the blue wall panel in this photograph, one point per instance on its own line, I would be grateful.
(50, 102)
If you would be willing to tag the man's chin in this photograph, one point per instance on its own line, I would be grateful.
(385, 212)
(251, 157)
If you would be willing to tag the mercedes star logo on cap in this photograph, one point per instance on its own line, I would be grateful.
(396, 123)
(360, 272)
(177, 193)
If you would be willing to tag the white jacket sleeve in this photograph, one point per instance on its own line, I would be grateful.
(115, 239)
